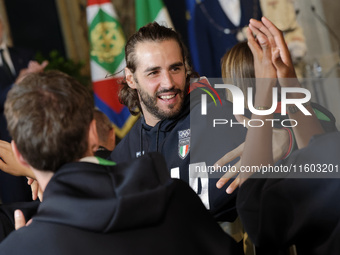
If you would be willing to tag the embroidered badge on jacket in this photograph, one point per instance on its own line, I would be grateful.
(183, 143)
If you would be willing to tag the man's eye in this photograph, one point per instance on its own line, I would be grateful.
(177, 69)
(152, 73)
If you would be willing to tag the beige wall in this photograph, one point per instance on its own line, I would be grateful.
(332, 10)
(322, 51)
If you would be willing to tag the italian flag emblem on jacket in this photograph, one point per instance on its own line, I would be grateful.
(183, 143)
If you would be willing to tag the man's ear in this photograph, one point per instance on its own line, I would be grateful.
(129, 78)
(93, 136)
(112, 139)
(18, 155)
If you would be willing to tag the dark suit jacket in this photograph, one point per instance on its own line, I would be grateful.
(20, 59)
(12, 189)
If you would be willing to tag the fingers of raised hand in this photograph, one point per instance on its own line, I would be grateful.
(272, 29)
(5, 147)
(258, 27)
(19, 219)
(228, 175)
(34, 187)
(29, 180)
(35, 67)
(278, 38)
(237, 152)
(252, 43)
(234, 185)
(44, 64)
(5, 154)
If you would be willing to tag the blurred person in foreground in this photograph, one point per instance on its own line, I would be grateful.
(15, 63)
(91, 205)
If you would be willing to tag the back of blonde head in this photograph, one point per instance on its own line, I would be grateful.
(237, 66)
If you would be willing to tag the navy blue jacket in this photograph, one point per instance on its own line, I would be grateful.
(210, 23)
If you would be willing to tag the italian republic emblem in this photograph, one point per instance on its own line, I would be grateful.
(108, 42)
(183, 143)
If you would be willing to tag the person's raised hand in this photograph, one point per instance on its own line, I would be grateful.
(9, 164)
(33, 67)
(237, 152)
(281, 57)
(261, 49)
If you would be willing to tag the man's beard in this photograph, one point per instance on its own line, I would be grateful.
(150, 103)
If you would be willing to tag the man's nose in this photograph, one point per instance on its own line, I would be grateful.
(167, 81)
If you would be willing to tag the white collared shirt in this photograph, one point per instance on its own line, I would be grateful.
(232, 9)
(7, 57)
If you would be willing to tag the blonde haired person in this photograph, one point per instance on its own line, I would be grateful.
(237, 67)
(282, 210)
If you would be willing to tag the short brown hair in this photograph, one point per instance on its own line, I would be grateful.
(150, 32)
(48, 117)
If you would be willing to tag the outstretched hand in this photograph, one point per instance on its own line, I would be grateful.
(281, 142)
(230, 156)
(237, 152)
